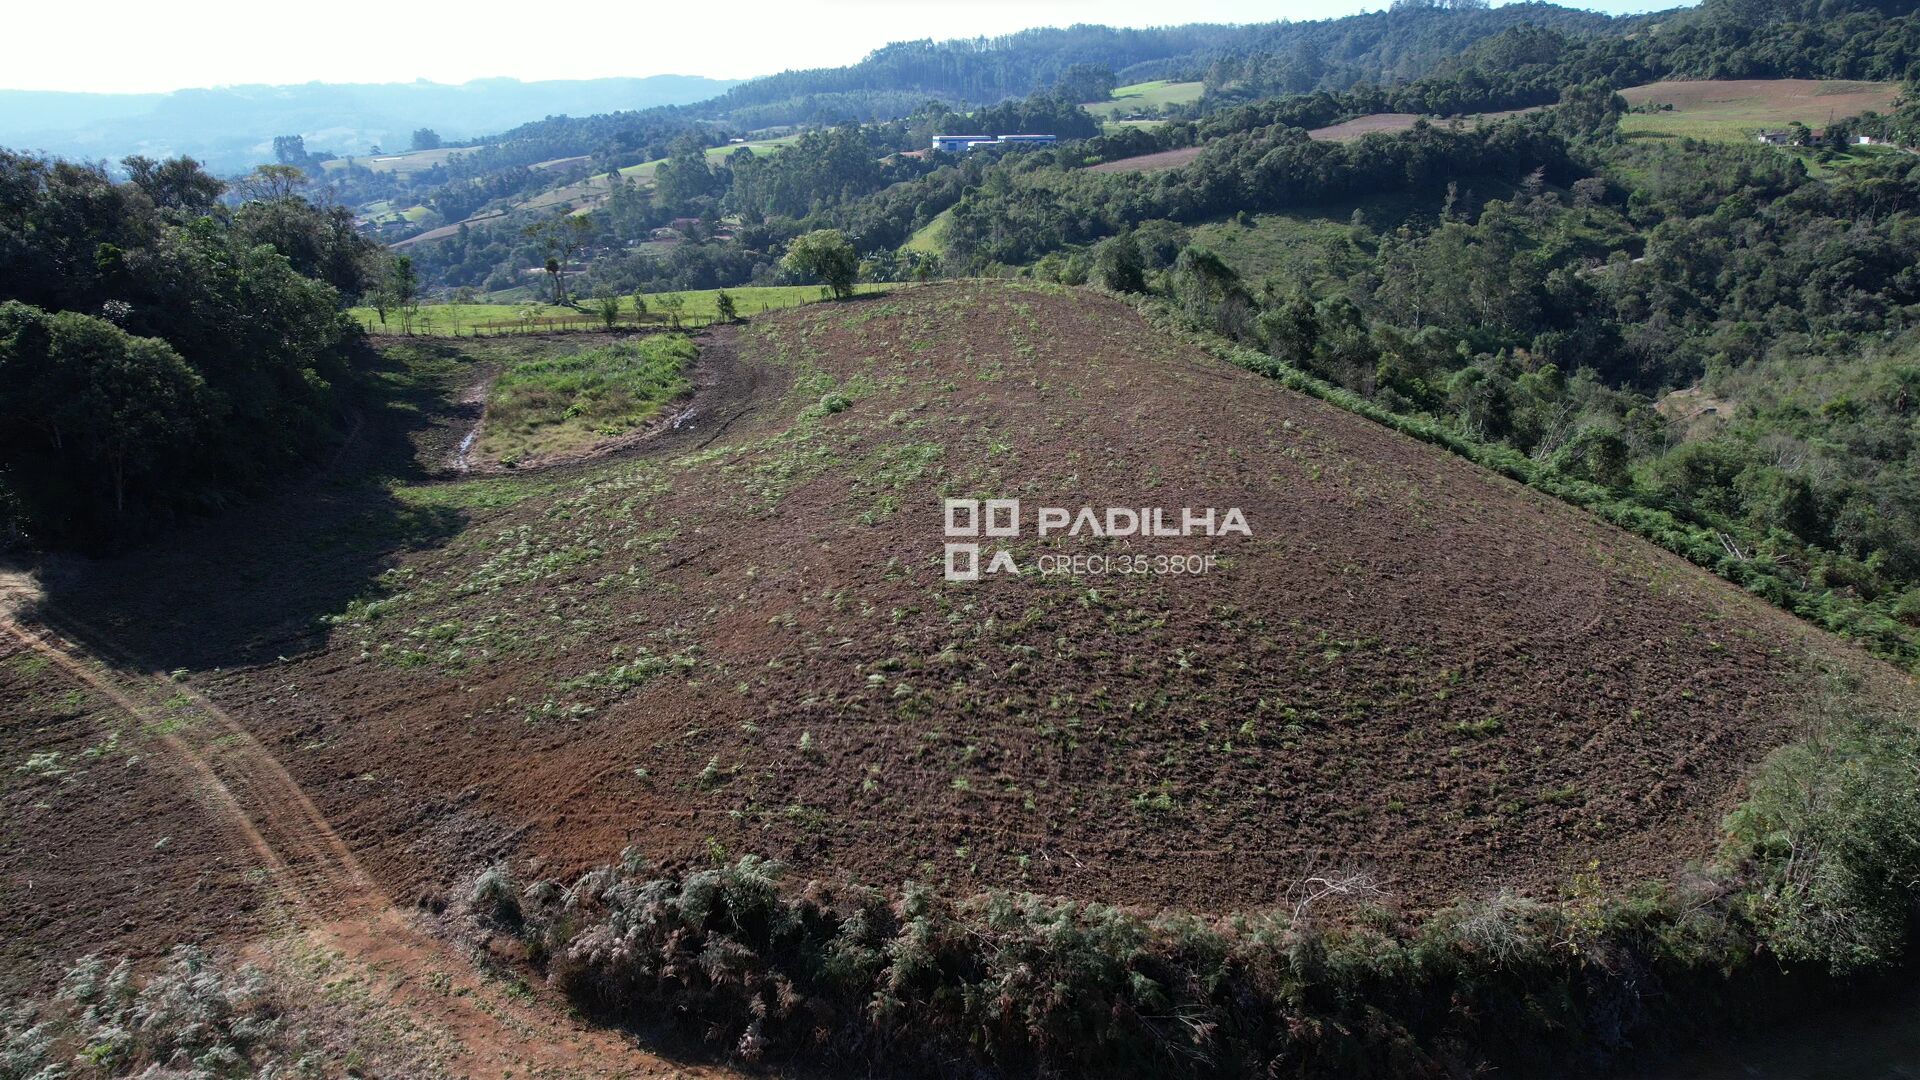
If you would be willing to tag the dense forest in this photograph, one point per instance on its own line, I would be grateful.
(1382, 48)
(160, 350)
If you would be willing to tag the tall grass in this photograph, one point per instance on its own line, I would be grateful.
(554, 404)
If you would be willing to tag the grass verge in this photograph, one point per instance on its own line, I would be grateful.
(697, 308)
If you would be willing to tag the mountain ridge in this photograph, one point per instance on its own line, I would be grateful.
(230, 128)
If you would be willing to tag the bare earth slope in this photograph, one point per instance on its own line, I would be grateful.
(739, 639)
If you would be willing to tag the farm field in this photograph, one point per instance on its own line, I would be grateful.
(383, 212)
(1136, 96)
(1108, 127)
(1165, 159)
(410, 161)
(447, 230)
(1732, 110)
(1391, 123)
(700, 308)
(736, 636)
(548, 403)
(1378, 123)
(586, 193)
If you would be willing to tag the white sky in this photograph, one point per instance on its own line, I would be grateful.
(150, 45)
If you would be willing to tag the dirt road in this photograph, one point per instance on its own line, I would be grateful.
(324, 892)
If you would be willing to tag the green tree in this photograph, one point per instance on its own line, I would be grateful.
(290, 150)
(426, 139)
(271, 182)
(673, 304)
(606, 303)
(723, 307)
(1118, 264)
(1086, 82)
(108, 407)
(828, 256)
(559, 239)
(174, 184)
(685, 175)
(403, 290)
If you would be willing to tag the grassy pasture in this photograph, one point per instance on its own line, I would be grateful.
(931, 238)
(546, 405)
(465, 320)
(1275, 241)
(593, 188)
(411, 161)
(1733, 110)
(1131, 98)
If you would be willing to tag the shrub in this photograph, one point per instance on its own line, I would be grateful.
(1831, 829)
(191, 1018)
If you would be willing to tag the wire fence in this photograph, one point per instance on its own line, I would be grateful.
(425, 324)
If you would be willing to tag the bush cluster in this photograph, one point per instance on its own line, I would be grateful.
(191, 1019)
(1818, 876)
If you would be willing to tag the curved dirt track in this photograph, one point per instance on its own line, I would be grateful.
(325, 892)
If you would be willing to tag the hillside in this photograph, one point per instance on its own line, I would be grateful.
(1733, 110)
(738, 638)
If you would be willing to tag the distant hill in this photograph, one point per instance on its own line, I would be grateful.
(232, 128)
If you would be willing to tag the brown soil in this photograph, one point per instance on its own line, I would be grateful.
(1387, 123)
(445, 231)
(261, 855)
(1840, 98)
(1384, 123)
(736, 637)
(1165, 159)
(1392, 123)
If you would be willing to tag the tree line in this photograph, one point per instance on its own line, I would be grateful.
(160, 350)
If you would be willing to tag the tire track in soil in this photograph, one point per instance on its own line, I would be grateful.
(327, 893)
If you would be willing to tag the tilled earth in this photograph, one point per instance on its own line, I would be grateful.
(736, 637)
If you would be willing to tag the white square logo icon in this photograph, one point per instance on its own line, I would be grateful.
(963, 518)
(1003, 517)
(963, 562)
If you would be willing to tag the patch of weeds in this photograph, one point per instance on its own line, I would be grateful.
(1154, 802)
(1483, 726)
(29, 664)
(45, 765)
(713, 775)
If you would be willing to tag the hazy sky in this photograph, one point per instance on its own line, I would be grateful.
(144, 45)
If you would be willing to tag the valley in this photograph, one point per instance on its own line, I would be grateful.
(1376, 544)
